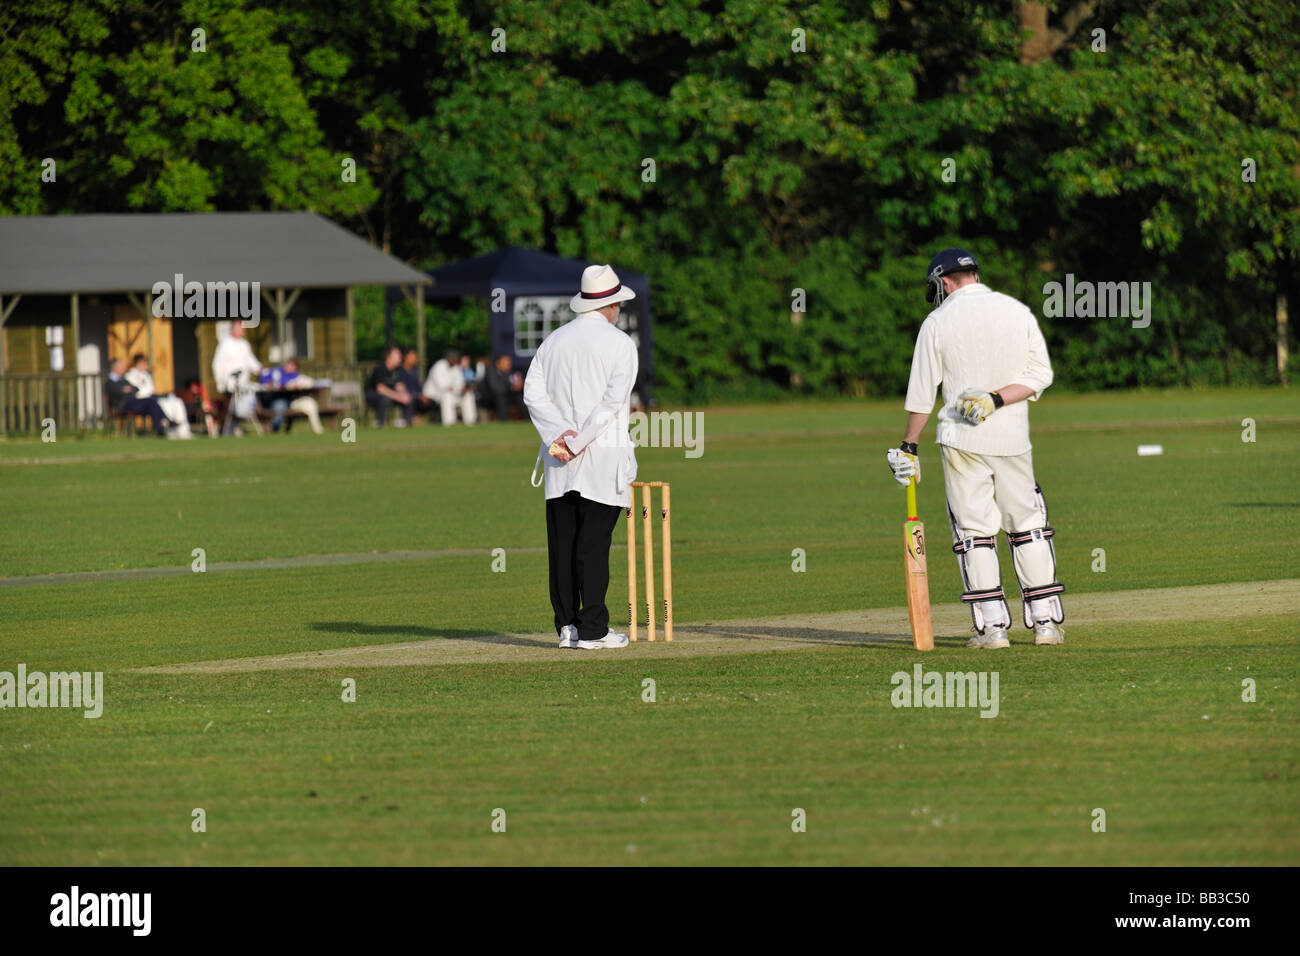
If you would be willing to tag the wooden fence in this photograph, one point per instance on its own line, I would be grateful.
(75, 401)
(72, 401)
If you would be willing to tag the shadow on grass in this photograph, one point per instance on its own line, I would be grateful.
(806, 635)
(417, 632)
(787, 633)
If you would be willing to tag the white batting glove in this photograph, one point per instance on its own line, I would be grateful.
(904, 463)
(975, 406)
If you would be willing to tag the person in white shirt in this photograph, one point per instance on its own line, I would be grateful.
(235, 369)
(987, 352)
(577, 392)
(174, 408)
(445, 385)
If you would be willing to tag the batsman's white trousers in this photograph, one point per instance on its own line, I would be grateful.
(991, 493)
(988, 493)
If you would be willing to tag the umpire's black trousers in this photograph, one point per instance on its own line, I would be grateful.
(578, 533)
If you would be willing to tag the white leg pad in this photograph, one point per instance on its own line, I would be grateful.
(981, 578)
(1034, 557)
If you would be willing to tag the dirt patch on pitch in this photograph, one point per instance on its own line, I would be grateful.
(876, 628)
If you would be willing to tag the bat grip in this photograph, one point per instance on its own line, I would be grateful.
(911, 498)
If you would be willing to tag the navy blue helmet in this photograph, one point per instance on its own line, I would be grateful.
(946, 263)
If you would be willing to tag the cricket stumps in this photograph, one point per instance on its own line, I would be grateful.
(647, 537)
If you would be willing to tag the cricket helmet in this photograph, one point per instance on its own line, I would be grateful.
(946, 263)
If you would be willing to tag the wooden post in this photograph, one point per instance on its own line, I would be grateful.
(1283, 359)
(6, 310)
(631, 567)
(649, 548)
(4, 361)
(76, 356)
(281, 307)
(279, 323)
(350, 340)
(666, 513)
(76, 333)
(147, 312)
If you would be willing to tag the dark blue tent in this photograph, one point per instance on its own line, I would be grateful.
(527, 294)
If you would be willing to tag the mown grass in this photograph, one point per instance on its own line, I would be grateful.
(1144, 721)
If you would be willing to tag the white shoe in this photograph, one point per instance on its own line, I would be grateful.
(1045, 632)
(568, 636)
(994, 637)
(611, 639)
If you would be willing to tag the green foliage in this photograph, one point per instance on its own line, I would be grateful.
(138, 119)
(462, 325)
(740, 732)
(774, 168)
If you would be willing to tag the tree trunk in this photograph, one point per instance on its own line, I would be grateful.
(1283, 359)
(1038, 44)
(1041, 41)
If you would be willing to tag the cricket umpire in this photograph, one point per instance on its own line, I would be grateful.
(987, 351)
(578, 390)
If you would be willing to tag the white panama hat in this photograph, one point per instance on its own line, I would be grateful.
(600, 287)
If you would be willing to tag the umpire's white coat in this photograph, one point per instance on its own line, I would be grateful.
(581, 379)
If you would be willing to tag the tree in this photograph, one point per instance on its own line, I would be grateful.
(141, 112)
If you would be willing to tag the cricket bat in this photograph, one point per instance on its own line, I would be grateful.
(918, 578)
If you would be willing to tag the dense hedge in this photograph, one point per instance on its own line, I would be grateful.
(829, 147)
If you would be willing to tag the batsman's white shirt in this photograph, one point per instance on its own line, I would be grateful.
(983, 340)
(581, 380)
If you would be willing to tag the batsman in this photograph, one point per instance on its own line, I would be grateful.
(986, 351)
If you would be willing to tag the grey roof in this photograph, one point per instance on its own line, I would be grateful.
(130, 252)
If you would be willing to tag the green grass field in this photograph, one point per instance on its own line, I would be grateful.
(1139, 714)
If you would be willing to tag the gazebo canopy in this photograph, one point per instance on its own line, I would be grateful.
(519, 271)
(523, 275)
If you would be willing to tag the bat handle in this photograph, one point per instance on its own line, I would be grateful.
(911, 498)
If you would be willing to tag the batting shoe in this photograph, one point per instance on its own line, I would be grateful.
(568, 636)
(993, 638)
(1045, 632)
(611, 639)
